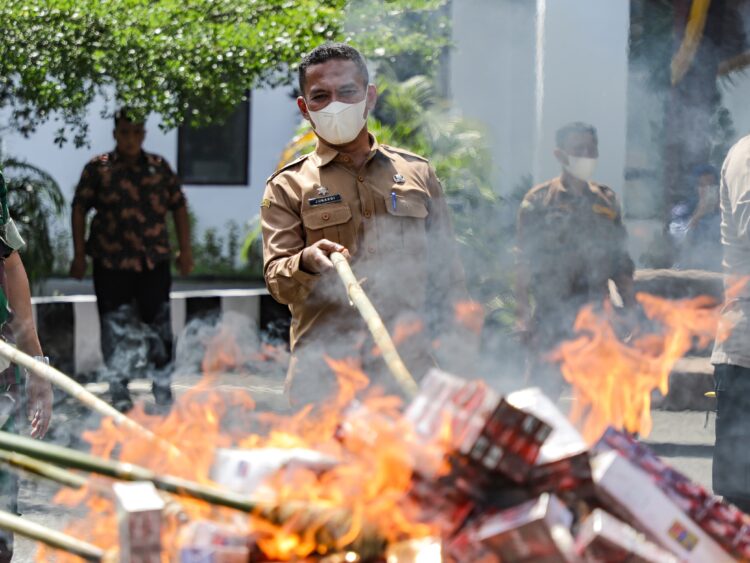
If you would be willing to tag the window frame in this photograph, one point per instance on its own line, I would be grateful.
(245, 181)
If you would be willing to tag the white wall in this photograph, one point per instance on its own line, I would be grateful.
(492, 79)
(273, 119)
(735, 96)
(583, 59)
(585, 79)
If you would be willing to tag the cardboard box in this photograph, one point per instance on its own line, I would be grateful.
(204, 541)
(537, 531)
(629, 492)
(139, 510)
(481, 426)
(602, 538)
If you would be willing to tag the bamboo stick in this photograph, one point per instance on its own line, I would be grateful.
(67, 457)
(375, 324)
(50, 537)
(77, 391)
(43, 469)
(330, 524)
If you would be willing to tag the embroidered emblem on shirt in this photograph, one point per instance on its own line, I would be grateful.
(323, 200)
(604, 210)
(266, 203)
(399, 179)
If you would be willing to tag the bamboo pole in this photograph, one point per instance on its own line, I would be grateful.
(330, 525)
(67, 457)
(50, 537)
(375, 324)
(77, 391)
(42, 469)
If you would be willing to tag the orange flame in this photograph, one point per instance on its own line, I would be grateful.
(374, 446)
(470, 315)
(402, 332)
(612, 380)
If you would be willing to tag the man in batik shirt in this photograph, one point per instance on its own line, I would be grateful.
(131, 192)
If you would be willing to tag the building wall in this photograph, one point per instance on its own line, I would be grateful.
(492, 79)
(273, 120)
(525, 68)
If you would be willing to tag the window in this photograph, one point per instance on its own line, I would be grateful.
(217, 154)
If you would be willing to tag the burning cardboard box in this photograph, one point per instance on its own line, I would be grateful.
(482, 427)
(139, 511)
(535, 531)
(204, 541)
(602, 538)
(630, 492)
(562, 466)
(724, 522)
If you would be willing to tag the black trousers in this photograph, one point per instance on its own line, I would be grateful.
(135, 321)
(731, 464)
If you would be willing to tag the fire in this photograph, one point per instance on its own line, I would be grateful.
(403, 331)
(612, 380)
(365, 495)
(470, 315)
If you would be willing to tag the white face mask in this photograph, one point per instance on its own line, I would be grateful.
(581, 167)
(339, 123)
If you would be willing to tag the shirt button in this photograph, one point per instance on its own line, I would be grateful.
(368, 213)
(361, 178)
(325, 216)
(371, 249)
(345, 159)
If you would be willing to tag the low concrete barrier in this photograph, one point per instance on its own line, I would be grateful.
(68, 326)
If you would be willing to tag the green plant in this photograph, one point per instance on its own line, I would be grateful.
(34, 199)
(187, 61)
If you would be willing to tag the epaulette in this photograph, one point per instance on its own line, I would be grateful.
(152, 158)
(401, 151)
(534, 190)
(287, 166)
(608, 192)
(100, 159)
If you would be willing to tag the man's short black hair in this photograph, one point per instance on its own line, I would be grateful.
(576, 127)
(126, 114)
(331, 51)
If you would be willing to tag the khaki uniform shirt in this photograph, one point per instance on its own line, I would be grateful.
(733, 343)
(392, 217)
(570, 245)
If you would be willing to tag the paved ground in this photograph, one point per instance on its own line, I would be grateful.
(682, 438)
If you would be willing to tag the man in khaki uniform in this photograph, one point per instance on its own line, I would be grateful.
(571, 242)
(382, 206)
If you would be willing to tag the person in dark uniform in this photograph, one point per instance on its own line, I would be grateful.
(695, 224)
(131, 192)
(571, 242)
(17, 327)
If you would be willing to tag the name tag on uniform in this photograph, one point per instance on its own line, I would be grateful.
(335, 198)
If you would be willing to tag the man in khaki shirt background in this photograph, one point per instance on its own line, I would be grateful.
(381, 206)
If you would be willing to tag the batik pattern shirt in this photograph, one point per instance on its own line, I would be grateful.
(131, 201)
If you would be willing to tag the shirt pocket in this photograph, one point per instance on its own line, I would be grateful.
(331, 221)
(405, 223)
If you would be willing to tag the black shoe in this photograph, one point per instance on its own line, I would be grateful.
(163, 395)
(120, 396)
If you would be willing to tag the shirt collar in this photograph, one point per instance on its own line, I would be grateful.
(324, 153)
(559, 187)
(115, 156)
